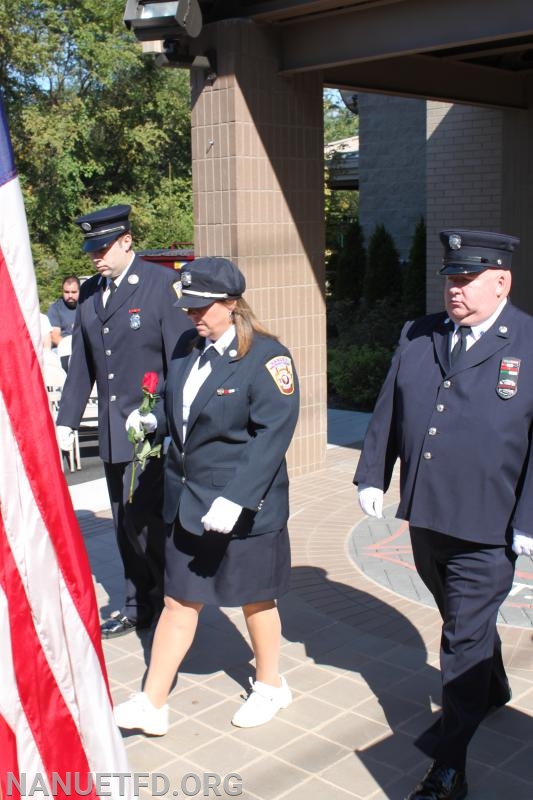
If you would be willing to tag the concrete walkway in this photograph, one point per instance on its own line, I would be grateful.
(360, 654)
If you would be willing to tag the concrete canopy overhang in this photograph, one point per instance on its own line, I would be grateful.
(471, 51)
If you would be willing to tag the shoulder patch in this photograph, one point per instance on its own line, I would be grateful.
(177, 288)
(280, 367)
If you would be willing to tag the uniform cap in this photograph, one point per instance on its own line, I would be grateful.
(205, 280)
(102, 227)
(468, 251)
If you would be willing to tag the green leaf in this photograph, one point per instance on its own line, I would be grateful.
(135, 436)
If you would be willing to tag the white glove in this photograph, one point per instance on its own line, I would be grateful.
(65, 437)
(370, 500)
(222, 515)
(522, 543)
(146, 423)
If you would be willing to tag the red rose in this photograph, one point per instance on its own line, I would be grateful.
(142, 448)
(150, 381)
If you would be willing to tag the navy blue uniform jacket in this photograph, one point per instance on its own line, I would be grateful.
(135, 333)
(240, 426)
(465, 452)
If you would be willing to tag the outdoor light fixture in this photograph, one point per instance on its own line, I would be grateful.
(177, 54)
(155, 20)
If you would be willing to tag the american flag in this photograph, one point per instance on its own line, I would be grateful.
(56, 720)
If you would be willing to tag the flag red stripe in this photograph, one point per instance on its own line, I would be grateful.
(8, 748)
(41, 699)
(25, 397)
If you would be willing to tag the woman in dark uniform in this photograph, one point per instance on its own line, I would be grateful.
(230, 408)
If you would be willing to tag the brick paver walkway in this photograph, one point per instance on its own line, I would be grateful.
(360, 655)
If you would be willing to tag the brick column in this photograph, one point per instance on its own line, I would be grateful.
(258, 179)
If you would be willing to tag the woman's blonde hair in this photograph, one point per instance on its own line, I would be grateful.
(246, 324)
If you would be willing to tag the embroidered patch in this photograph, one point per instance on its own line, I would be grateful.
(280, 367)
(135, 319)
(177, 288)
(508, 378)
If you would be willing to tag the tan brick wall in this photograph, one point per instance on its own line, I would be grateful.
(392, 166)
(517, 203)
(257, 147)
(464, 178)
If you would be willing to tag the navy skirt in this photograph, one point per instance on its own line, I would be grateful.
(221, 570)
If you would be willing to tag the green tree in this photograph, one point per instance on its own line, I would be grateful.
(414, 281)
(93, 122)
(339, 121)
(350, 264)
(383, 278)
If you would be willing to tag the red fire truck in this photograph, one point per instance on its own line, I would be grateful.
(173, 257)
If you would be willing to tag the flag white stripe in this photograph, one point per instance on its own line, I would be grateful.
(15, 246)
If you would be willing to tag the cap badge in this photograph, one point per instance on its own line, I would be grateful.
(280, 367)
(86, 226)
(177, 288)
(133, 279)
(507, 385)
(455, 241)
(186, 278)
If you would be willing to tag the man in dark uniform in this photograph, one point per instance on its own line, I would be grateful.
(457, 409)
(126, 325)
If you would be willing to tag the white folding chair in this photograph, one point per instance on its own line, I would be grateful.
(90, 415)
(64, 350)
(88, 428)
(54, 378)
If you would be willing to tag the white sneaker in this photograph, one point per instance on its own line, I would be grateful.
(262, 704)
(139, 712)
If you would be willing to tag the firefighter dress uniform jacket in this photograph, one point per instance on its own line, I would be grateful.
(135, 333)
(463, 435)
(239, 428)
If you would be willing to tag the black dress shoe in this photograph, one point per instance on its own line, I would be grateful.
(119, 625)
(440, 783)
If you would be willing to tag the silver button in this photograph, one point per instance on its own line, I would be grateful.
(112, 398)
(111, 376)
(440, 407)
(427, 455)
(447, 384)
(432, 431)
(108, 352)
(183, 479)
(106, 330)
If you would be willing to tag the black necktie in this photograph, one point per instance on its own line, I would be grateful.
(459, 348)
(112, 288)
(208, 355)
